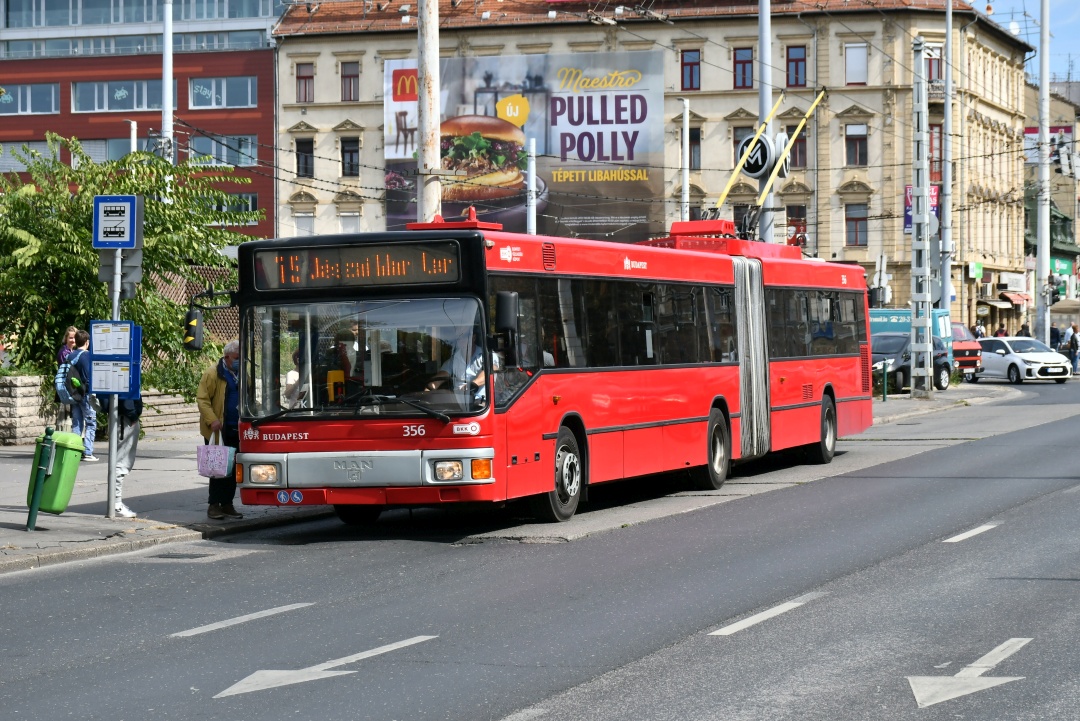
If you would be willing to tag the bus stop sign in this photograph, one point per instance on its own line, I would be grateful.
(118, 221)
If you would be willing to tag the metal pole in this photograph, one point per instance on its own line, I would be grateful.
(168, 151)
(110, 499)
(946, 171)
(922, 343)
(530, 191)
(429, 162)
(45, 457)
(684, 201)
(1042, 272)
(134, 135)
(765, 222)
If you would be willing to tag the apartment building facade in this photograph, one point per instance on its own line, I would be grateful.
(85, 68)
(342, 124)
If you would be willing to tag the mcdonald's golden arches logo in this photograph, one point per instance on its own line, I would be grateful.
(406, 85)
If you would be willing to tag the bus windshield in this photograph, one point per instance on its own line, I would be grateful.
(401, 357)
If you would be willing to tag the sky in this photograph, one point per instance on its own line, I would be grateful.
(1064, 30)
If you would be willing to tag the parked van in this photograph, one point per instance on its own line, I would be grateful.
(967, 352)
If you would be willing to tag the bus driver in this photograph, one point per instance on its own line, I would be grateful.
(465, 366)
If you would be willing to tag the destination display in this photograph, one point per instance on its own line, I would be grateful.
(366, 265)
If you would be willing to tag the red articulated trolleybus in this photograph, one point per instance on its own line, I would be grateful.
(454, 362)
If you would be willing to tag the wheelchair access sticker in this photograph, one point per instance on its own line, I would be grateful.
(284, 497)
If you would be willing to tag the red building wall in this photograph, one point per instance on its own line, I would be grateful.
(258, 121)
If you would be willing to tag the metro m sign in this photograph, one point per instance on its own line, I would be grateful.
(406, 85)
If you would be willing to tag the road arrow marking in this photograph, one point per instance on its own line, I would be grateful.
(271, 679)
(930, 690)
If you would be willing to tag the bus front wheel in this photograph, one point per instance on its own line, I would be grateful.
(561, 504)
(712, 475)
(824, 450)
(357, 515)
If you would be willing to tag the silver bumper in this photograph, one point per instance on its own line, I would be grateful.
(362, 469)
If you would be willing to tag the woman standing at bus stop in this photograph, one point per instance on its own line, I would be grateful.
(218, 399)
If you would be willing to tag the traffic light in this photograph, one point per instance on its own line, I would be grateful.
(193, 329)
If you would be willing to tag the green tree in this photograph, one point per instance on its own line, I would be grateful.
(49, 269)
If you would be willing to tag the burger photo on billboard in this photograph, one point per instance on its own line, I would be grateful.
(489, 150)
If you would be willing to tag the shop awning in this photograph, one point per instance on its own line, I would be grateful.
(996, 303)
(1017, 298)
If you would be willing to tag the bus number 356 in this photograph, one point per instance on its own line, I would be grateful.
(408, 431)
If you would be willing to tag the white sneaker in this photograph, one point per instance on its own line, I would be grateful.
(122, 511)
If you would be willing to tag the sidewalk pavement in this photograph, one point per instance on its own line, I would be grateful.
(171, 498)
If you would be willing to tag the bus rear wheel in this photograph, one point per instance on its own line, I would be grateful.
(712, 475)
(357, 515)
(561, 504)
(824, 450)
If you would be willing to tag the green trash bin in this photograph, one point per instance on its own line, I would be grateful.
(56, 491)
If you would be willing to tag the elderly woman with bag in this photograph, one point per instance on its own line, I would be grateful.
(218, 399)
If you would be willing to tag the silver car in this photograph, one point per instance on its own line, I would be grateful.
(1020, 359)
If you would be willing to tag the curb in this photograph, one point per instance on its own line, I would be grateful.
(194, 532)
(108, 548)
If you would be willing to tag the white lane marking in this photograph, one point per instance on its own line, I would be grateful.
(765, 615)
(239, 619)
(930, 690)
(526, 714)
(1074, 489)
(271, 679)
(973, 532)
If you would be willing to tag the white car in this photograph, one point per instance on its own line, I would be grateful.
(1020, 359)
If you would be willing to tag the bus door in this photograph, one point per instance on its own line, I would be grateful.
(753, 358)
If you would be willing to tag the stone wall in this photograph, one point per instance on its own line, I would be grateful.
(23, 417)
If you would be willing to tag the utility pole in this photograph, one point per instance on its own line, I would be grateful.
(765, 222)
(1042, 259)
(168, 149)
(922, 343)
(429, 162)
(945, 301)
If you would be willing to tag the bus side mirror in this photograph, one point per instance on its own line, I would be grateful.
(193, 329)
(507, 324)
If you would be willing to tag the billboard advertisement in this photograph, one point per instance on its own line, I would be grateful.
(597, 120)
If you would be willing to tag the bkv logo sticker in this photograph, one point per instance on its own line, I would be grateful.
(406, 85)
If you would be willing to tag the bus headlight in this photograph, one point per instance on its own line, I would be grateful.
(263, 473)
(449, 471)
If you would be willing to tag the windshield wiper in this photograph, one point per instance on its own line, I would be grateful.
(278, 414)
(380, 400)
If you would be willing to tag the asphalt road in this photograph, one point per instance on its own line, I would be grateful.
(421, 621)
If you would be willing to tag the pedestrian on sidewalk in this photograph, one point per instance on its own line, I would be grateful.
(83, 416)
(1001, 332)
(218, 399)
(1055, 336)
(63, 415)
(128, 413)
(1024, 331)
(1074, 347)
